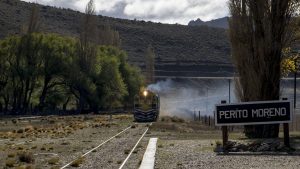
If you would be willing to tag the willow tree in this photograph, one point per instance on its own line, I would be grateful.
(259, 30)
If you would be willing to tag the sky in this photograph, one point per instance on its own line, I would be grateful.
(164, 11)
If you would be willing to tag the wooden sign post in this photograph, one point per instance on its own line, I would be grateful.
(254, 113)
(286, 132)
(224, 130)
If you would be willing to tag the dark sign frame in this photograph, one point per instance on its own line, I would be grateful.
(255, 105)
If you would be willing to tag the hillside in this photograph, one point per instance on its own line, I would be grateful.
(216, 23)
(185, 49)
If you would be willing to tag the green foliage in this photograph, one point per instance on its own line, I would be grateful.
(46, 72)
(131, 75)
(289, 62)
(111, 85)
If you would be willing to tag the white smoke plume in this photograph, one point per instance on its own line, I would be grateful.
(183, 98)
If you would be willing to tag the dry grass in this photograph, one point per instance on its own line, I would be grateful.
(34, 147)
(11, 155)
(25, 167)
(53, 161)
(174, 119)
(10, 162)
(55, 167)
(29, 128)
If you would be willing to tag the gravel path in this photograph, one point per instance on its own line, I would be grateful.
(114, 152)
(193, 154)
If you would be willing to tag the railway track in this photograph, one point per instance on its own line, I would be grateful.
(110, 148)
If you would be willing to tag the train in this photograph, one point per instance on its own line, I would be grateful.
(146, 106)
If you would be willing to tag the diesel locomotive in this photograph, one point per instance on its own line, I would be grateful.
(146, 106)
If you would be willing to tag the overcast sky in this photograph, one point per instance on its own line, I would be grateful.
(165, 11)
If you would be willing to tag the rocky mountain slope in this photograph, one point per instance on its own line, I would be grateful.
(192, 51)
(216, 23)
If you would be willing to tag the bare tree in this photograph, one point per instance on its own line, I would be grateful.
(89, 25)
(259, 30)
(109, 36)
(150, 65)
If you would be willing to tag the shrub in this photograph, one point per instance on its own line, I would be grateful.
(126, 151)
(20, 131)
(177, 119)
(29, 128)
(34, 147)
(77, 162)
(14, 121)
(26, 157)
(218, 143)
(11, 155)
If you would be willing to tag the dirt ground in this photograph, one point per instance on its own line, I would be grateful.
(54, 141)
(190, 145)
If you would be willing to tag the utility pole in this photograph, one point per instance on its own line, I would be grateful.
(295, 89)
(229, 90)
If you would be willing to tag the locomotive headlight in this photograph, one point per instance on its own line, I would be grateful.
(145, 93)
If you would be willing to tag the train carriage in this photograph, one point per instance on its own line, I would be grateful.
(146, 106)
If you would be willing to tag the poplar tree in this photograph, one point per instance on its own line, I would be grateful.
(259, 30)
(150, 65)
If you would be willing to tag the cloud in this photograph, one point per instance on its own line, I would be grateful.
(165, 11)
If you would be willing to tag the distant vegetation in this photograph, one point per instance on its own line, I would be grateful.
(42, 72)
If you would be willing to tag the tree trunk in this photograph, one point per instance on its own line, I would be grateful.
(28, 100)
(80, 104)
(26, 91)
(6, 102)
(262, 131)
(44, 93)
(66, 104)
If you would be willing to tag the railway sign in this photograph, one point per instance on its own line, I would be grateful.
(251, 113)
